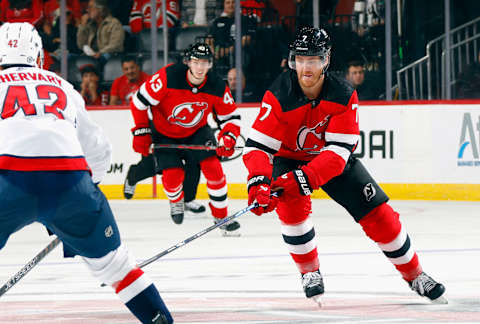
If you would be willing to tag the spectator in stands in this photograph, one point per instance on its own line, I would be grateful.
(50, 34)
(52, 11)
(222, 31)
(249, 93)
(356, 76)
(141, 14)
(100, 34)
(90, 88)
(198, 12)
(125, 86)
(30, 11)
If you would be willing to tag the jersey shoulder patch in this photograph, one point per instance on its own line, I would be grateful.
(337, 89)
(215, 85)
(177, 76)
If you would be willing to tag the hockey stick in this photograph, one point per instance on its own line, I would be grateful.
(29, 266)
(205, 231)
(201, 233)
(191, 147)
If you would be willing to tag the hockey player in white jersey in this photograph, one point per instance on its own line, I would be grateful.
(51, 158)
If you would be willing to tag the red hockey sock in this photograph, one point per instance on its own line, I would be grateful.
(172, 180)
(298, 232)
(384, 227)
(216, 186)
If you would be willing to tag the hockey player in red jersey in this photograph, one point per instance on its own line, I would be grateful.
(179, 98)
(302, 140)
(52, 156)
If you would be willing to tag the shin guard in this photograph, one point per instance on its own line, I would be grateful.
(216, 186)
(172, 180)
(384, 227)
(134, 288)
(298, 232)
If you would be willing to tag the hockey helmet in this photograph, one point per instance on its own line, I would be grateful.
(198, 51)
(310, 41)
(20, 43)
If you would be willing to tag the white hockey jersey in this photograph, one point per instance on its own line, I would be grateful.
(44, 125)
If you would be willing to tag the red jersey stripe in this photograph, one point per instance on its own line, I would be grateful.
(21, 163)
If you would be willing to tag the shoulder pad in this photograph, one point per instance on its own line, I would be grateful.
(337, 89)
(177, 76)
(287, 91)
(215, 85)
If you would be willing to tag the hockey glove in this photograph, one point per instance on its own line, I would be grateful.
(226, 144)
(259, 191)
(142, 140)
(294, 183)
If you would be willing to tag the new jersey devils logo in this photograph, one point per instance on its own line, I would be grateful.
(308, 138)
(188, 114)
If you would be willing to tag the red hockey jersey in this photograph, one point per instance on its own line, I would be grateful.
(141, 14)
(179, 108)
(324, 130)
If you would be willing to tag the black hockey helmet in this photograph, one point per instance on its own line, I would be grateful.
(199, 51)
(310, 41)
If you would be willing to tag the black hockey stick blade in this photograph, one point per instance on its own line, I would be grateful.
(29, 266)
(190, 147)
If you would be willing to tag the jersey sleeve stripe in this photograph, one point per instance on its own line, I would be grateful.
(227, 116)
(347, 146)
(271, 143)
(143, 91)
(258, 146)
(340, 151)
(249, 149)
(138, 102)
(344, 138)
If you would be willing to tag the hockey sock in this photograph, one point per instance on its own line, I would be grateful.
(216, 186)
(172, 180)
(384, 227)
(134, 288)
(147, 304)
(298, 232)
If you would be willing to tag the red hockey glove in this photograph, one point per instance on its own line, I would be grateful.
(294, 183)
(142, 140)
(259, 191)
(226, 144)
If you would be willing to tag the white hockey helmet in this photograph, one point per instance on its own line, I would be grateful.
(20, 44)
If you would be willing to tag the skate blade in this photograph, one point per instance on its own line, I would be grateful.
(440, 300)
(317, 299)
(235, 233)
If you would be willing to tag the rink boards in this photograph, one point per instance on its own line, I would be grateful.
(415, 150)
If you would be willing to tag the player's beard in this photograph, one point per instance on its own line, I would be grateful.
(309, 79)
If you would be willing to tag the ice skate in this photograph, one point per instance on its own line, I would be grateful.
(177, 210)
(129, 185)
(425, 286)
(194, 207)
(312, 283)
(230, 229)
